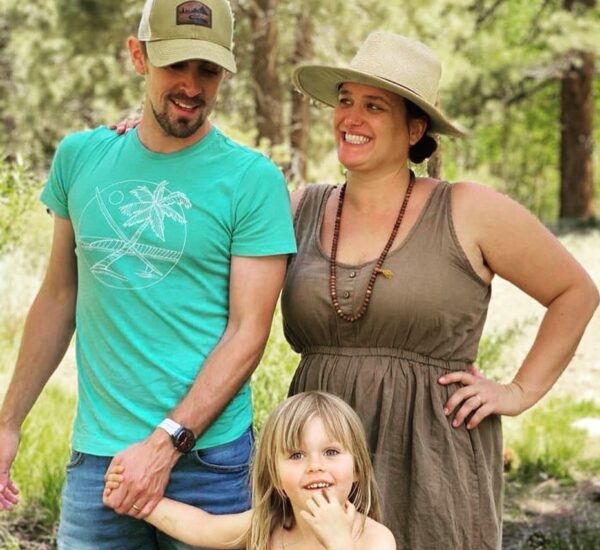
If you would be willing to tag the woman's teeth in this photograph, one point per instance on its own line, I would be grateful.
(355, 139)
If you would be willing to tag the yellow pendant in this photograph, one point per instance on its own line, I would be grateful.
(387, 273)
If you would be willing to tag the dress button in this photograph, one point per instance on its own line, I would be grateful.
(352, 274)
(346, 294)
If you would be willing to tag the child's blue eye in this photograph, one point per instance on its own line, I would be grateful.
(332, 452)
(297, 455)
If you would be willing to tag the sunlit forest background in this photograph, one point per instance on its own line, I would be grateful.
(520, 75)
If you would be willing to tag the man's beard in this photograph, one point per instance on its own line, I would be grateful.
(181, 127)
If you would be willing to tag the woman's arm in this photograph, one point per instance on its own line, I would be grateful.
(517, 247)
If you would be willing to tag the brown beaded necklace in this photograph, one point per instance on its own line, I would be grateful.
(376, 270)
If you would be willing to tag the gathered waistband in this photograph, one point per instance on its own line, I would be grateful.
(387, 352)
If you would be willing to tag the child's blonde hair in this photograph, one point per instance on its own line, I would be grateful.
(282, 433)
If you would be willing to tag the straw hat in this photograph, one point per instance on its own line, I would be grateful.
(388, 61)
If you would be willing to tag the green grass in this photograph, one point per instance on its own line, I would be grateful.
(546, 444)
(39, 470)
(40, 465)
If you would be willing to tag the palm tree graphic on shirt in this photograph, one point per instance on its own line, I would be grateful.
(148, 211)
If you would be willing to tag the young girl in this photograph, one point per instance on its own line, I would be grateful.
(312, 482)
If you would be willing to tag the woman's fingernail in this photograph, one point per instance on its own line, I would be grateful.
(446, 412)
(442, 379)
(455, 423)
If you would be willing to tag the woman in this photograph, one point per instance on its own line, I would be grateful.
(387, 297)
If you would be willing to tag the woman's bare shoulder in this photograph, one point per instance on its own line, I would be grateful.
(469, 193)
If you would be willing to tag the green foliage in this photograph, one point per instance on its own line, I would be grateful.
(65, 65)
(66, 71)
(17, 194)
(547, 444)
(271, 380)
(43, 452)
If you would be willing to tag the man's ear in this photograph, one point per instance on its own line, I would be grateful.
(137, 55)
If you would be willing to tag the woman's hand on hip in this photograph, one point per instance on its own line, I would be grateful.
(479, 397)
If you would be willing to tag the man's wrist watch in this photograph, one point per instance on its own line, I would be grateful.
(183, 438)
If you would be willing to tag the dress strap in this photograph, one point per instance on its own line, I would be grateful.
(309, 211)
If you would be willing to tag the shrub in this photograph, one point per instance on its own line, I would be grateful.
(17, 194)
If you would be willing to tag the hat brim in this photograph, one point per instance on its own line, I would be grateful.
(166, 52)
(322, 83)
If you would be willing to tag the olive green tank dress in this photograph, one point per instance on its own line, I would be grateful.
(441, 486)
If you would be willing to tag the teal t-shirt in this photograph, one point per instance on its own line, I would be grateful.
(155, 234)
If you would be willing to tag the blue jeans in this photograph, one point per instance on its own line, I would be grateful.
(214, 479)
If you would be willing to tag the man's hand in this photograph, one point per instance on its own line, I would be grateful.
(147, 467)
(9, 442)
(331, 521)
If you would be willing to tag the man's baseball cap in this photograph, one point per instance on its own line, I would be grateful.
(176, 31)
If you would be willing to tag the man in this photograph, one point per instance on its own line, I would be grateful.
(169, 252)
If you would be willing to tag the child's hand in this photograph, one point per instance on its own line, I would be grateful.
(331, 521)
(112, 479)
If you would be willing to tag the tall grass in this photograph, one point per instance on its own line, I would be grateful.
(547, 444)
(40, 468)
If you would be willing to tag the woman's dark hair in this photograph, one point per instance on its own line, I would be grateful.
(427, 145)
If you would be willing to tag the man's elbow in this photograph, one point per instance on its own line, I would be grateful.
(590, 296)
(252, 337)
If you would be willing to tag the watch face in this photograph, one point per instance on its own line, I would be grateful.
(184, 440)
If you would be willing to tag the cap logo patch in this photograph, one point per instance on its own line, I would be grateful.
(194, 13)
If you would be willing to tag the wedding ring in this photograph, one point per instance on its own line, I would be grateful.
(480, 400)
(136, 508)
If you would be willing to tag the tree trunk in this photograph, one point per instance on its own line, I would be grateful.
(300, 118)
(266, 86)
(576, 147)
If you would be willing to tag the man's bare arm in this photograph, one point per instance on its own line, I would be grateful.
(48, 330)
(255, 283)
